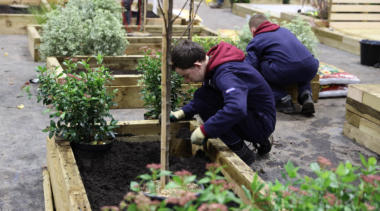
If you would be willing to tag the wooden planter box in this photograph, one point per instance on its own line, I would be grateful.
(135, 43)
(17, 23)
(67, 186)
(128, 92)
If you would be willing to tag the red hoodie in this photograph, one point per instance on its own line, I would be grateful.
(266, 27)
(222, 53)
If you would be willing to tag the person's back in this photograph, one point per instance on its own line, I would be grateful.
(282, 60)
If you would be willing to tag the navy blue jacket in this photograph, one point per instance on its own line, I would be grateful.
(243, 88)
(281, 46)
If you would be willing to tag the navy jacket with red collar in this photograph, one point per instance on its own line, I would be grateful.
(242, 88)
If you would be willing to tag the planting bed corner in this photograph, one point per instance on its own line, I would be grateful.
(135, 43)
(70, 190)
(126, 77)
(15, 21)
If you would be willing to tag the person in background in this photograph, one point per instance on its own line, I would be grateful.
(217, 5)
(282, 60)
(235, 102)
(127, 4)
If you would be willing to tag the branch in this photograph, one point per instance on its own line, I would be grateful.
(180, 11)
(163, 15)
(190, 23)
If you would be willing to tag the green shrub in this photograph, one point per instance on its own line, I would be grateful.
(79, 102)
(73, 31)
(150, 66)
(39, 13)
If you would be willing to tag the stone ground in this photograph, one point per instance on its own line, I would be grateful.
(297, 137)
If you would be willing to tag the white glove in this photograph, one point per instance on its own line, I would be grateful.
(177, 115)
(197, 137)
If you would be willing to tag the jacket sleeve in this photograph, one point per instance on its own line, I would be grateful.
(253, 55)
(235, 93)
(189, 110)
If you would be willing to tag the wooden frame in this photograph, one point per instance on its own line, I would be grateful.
(135, 43)
(128, 92)
(68, 189)
(359, 15)
(315, 86)
(17, 23)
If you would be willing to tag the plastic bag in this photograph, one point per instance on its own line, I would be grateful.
(333, 91)
(329, 74)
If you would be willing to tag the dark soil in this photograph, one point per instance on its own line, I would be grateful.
(107, 175)
(115, 72)
(11, 10)
(184, 133)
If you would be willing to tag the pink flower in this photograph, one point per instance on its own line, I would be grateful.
(218, 182)
(228, 186)
(188, 197)
(293, 188)
(213, 207)
(154, 166)
(172, 200)
(106, 208)
(330, 198)
(67, 58)
(370, 207)
(183, 173)
(212, 166)
(285, 193)
(324, 161)
(74, 59)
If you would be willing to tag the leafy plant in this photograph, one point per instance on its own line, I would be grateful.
(91, 28)
(208, 42)
(150, 66)
(79, 102)
(39, 13)
(346, 187)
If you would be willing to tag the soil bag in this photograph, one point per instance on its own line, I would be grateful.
(329, 74)
(333, 91)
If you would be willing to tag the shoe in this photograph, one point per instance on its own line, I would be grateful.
(306, 100)
(34, 81)
(264, 147)
(242, 150)
(216, 6)
(285, 105)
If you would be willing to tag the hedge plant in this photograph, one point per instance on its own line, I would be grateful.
(83, 27)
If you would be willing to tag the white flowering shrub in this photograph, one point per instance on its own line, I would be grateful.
(83, 27)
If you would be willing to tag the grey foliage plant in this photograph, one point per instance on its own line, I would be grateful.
(84, 27)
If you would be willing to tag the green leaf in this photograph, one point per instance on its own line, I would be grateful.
(372, 161)
(132, 207)
(145, 177)
(164, 173)
(63, 115)
(315, 167)
(48, 110)
(340, 171)
(135, 186)
(52, 124)
(171, 185)
(247, 193)
(204, 180)
(190, 179)
(363, 160)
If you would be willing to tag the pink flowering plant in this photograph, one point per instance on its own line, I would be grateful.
(345, 187)
(150, 67)
(79, 103)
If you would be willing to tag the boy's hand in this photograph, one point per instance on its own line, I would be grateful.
(174, 116)
(198, 138)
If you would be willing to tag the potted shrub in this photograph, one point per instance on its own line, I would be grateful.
(79, 102)
(150, 66)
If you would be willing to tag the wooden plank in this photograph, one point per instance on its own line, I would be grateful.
(355, 93)
(370, 94)
(363, 124)
(48, 197)
(355, 8)
(354, 17)
(363, 110)
(315, 86)
(60, 200)
(146, 127)
(129, 96)
(370, 142)
(15, 23)
(355, 25)
(237, 171)
(27, 2)
(72, 183)
(355, 1)
(353, 118)
(34, 39)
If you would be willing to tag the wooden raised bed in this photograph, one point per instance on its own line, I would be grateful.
(128, 92)
(17, 23)
(135, 43)
(68, 189)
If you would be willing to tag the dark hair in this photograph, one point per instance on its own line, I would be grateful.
(257, 20)
(186, 53)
